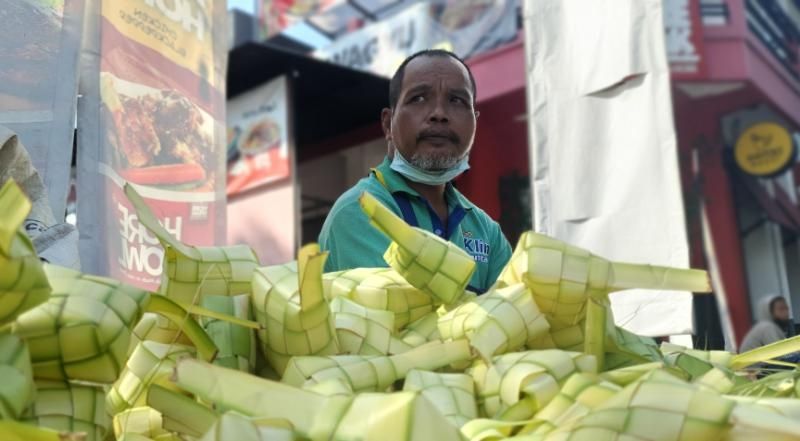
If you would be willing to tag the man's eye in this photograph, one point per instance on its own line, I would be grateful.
(457, 100)
(417, 99)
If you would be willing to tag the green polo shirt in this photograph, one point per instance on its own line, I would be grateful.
(352, 242)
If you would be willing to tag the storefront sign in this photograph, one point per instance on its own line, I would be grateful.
(153, 115)
(684, 39)
(765, 149)
(466, 28)
(258, 137)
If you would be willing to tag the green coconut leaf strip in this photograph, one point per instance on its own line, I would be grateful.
(180, 413)
(768, 352)
(205, 312)
(206, 349)
(16, 431)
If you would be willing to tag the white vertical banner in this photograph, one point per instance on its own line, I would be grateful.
(604, 162)
(39, 46)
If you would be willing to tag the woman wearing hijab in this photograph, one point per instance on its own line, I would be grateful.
(774, 323)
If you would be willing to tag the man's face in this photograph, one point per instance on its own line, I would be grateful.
(780, 310)
(433, 124)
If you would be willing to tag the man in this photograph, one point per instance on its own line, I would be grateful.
(774, 323)
(429, 128)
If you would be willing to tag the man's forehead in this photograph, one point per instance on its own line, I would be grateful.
(426, 69)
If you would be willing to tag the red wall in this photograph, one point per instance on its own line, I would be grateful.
(698, 127)
(501, 147)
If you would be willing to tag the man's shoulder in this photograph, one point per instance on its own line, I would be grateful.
(477, 212)
(349, 199)
(346, 211)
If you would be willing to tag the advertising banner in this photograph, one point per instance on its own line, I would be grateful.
(258, 141)
(276, 15)
(153, 115)
(466, 28)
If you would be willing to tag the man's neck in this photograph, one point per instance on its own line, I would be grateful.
(434, 194)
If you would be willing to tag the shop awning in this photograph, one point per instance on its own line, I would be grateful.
(779, 209)
(329, 101)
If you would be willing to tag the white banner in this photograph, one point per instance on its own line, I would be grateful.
(604, 160)
(39, 46)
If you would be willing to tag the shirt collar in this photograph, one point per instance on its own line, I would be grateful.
(395, 183)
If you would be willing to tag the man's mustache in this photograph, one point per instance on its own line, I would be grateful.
(439, 133)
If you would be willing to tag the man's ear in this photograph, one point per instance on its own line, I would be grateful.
(386, 123)
(477, 114)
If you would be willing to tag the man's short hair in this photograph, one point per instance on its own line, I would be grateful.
(396, 84)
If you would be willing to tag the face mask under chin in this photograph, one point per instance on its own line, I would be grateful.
(423, 175)
(435, 163)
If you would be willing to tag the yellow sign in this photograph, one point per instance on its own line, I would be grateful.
(764, 149)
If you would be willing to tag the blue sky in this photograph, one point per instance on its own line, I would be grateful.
(244, 5)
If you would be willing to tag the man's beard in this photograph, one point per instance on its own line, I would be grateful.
(436, 161)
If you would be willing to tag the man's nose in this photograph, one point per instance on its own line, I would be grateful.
(439, 111)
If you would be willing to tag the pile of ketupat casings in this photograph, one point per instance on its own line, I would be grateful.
(228, 350)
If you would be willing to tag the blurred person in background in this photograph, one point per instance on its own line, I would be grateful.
(774, 323)
(429, 129)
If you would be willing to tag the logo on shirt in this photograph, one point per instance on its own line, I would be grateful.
(477, 248)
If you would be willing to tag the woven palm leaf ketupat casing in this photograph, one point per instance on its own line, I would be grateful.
(150, 363)
(452, 394)
(719, 358)
(657, 407)
(70, 407)
(293, 310)
(568, 338)
(624, 348)
(516, 385)
(571, 285)
(191, 272)
(425, 260)
(236, 343)
(365, 331)
(83, 331)
(235, 426)
(380, 288)
(144, 421)
(17, 389)
(366, 355)
(179, 413)
(579, 395)
(374, 373)
(502, 320)
(403, 416)
(23, 284)
(421, 331)
(11, 430)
